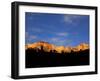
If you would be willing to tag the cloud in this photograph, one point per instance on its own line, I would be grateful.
(29, 38)
(60, 41)
(62, 34)
(70, 18)
(54, 39)
(57, 41)
(26, 34)
(32, 37)
(38, 30)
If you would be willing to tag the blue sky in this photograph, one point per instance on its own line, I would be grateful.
(58, 29)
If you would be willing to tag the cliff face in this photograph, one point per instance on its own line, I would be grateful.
(81, 47)
(50, 47)
(59, 49)
(46, 46)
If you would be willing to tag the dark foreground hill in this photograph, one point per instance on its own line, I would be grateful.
(42, 58)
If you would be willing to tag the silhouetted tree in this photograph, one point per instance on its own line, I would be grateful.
(37, 57)
(62, 52)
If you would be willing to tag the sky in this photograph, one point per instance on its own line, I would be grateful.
(58, 29)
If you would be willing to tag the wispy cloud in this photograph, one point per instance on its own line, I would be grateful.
(32, 37)
(70, 18)
(26, 34)
(62, 34)
(29, 38)
(60, 41)
(54, 39)
(34, 29)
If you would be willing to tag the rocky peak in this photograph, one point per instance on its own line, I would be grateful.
(47, 47)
